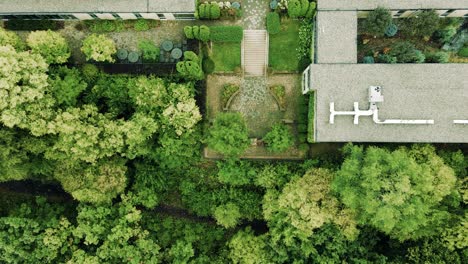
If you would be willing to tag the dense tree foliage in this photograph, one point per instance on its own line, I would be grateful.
(229, 135)
(378, 21)
(50, 45)
(398, 192)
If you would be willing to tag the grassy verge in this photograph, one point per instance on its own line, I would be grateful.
(282, 52)
(226, 56)
(311, 118)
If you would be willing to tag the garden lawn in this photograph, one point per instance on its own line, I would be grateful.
(226, 56)
(283, 47)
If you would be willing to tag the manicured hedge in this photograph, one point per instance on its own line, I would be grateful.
(226, 34)
(273, 23)
(311, 117)
(29, 25)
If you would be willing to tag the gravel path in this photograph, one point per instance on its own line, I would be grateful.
(255, 12)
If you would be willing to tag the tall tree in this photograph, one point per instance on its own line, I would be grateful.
(397, 192)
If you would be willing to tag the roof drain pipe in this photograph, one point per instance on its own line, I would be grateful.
(375, 117)
(460, 122)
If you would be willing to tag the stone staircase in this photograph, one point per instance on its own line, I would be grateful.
(255, 52)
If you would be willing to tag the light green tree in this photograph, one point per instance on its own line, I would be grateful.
(99, 48)
(50, 45)
(397, 192)
(11, 38)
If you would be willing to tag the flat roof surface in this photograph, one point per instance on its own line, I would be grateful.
(96, 6)
(336, 37)
(411, 91)
(391, 4)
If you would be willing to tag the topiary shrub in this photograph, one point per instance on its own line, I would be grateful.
(368, 60)
(294, 8)
(304, 8)
(215, 11)
(204, 33)
(190, 68)
(188, 31)
(141, 25)
(133, 57)
(279, 139)
(228, 91)
(50, 45)
(226, 33)
(202, 11)
(311, 11)
(196, 32)
(437, 57)
(273, 23)
(12, 39)
(150, 50)
(122, 54)
(405, 52)
(191, 56)
(228, 135)
(378, 21)
(98, 48)
(208, 65)
(391, 30)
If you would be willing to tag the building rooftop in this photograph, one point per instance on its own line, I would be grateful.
(96, 6)
(336, 37)
(436, 92)
(391, 4)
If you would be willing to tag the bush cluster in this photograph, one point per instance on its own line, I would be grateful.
(201, 33)
(190, 68)
(50, 45)
(437, 57)
(149, 50)
(209, 11)
(379, 22)
(301, 8)
(422, 25)
(99, 48)
(29, 25)
(406, 52)
(279, 139)
(226, 33)
(101, 26)
(273, 23)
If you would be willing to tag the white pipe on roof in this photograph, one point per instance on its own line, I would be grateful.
(462, 122)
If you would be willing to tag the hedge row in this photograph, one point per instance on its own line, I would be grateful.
(311, 118)
(273, 23)
(226, 34)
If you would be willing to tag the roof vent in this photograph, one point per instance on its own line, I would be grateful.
(375, 94)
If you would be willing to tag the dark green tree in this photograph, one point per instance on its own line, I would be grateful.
(378, 21)
(228, 135)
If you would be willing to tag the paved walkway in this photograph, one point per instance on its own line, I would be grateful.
(257, 106)
(255, 12)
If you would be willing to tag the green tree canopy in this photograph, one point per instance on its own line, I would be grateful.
(228, 135)
(50, 45)
(397, 192)
(378, 21)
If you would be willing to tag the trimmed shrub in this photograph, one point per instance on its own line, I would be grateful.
(368, 60)
(273, 23)
(437, 57)
(311, 11)
(228, 91)
(188, 31)
(204, 33)
(141, 25)
(378, 21)
(100, 26)
(208, 65)
(294, 8)
(304, 7)
(202, 11)
(122, 54)
(391, 30)
(215, 11)
(11, 38)
(50, 45)
(190, 70)
(150, 50)
(405, 52)
(226, 34)
(191, 56)
(196, 32)
(273, 4)
(279, 139)
(133, 57)
(98, 48)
